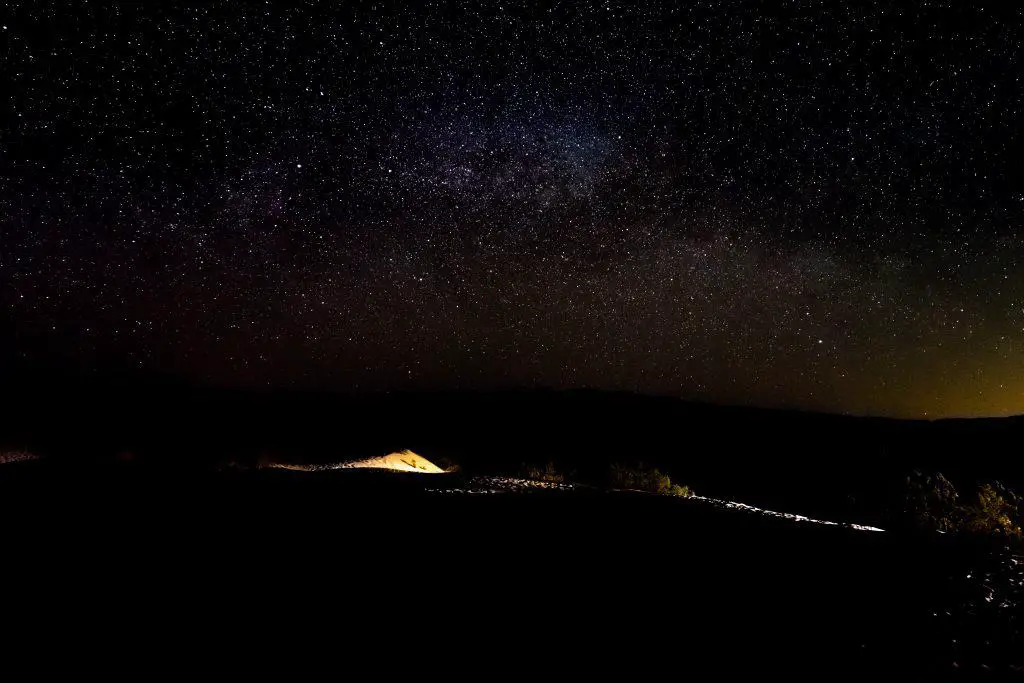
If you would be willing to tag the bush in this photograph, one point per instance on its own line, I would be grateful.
(633, 477)
(933, 502)
(681, 491)
(547, 472)
(641, 478)
(996, 512)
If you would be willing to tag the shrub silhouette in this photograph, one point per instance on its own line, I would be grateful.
(547, 472)
(619, 476)
(996, 512)
(932, 502)
(641, 478)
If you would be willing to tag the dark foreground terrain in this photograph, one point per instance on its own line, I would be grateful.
(417, 570)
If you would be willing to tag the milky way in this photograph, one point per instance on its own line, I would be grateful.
(792, 204)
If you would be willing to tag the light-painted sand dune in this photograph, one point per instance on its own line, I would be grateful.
(403, 461)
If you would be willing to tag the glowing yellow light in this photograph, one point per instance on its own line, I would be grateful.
(403, 461)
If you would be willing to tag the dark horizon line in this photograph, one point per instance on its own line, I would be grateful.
(105, 380)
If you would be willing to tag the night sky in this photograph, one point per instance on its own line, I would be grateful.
(794, 204)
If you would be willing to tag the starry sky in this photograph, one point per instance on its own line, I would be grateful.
(793, 204)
